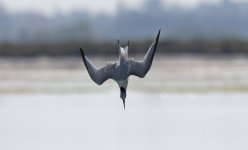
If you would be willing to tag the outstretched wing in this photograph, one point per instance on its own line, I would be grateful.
(99, 75)
(140, 68)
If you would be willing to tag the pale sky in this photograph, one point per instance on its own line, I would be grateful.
(50, 7)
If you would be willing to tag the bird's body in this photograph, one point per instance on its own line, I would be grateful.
(121, 69)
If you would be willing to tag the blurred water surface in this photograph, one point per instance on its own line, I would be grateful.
(185, 102)
(168, 74)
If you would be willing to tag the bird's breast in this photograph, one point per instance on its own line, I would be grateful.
(123, 72)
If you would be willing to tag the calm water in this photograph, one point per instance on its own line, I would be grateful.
(98, 121)
(183, 103)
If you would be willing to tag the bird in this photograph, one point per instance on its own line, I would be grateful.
(121, 69)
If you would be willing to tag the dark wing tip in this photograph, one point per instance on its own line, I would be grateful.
(157, 39)
(82, 52)
(83, 57)
(158, 36)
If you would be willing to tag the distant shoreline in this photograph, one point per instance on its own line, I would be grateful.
(223, 47)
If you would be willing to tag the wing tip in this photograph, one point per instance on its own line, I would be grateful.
(82, 52)
(157, 39)
(83, 57)
(158, 35)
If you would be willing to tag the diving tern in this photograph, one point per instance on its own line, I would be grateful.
(121, 69)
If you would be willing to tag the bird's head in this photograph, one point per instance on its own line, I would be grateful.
(123, 95)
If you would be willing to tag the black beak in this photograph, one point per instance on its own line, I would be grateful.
(123, 95)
